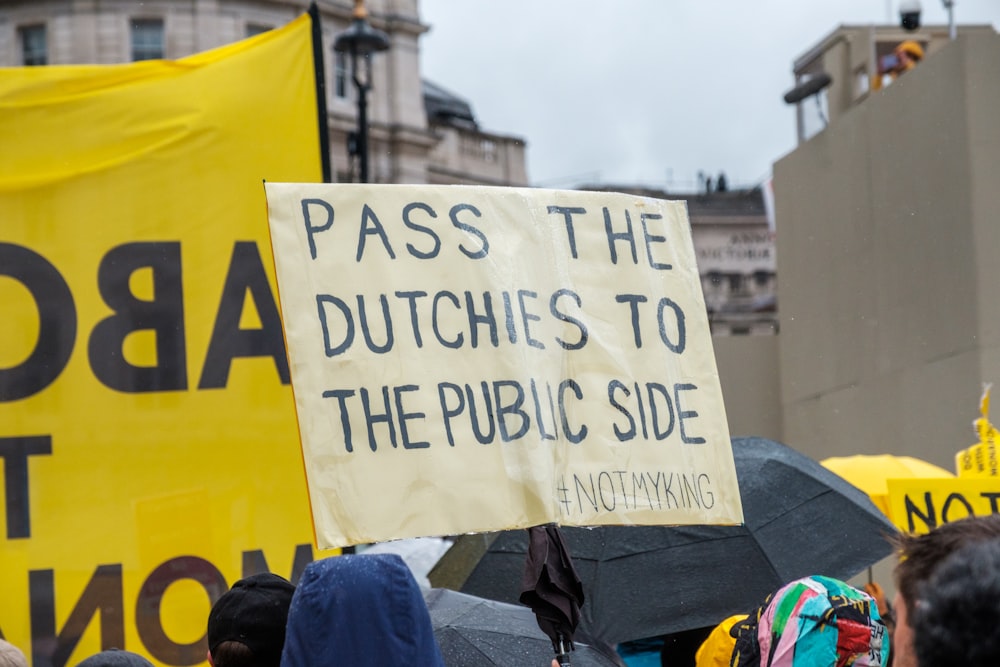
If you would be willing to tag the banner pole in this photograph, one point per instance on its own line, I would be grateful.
(319, 72)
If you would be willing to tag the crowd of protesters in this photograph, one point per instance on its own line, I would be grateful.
(368, 610)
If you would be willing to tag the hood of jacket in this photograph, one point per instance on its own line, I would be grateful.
(359, 611)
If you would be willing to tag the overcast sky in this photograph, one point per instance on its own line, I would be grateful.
(643, 91)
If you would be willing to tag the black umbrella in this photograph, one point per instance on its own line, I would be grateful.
(644, 581)
(473, 632)
(552, 588)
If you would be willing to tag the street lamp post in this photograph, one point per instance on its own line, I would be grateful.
(360, 41)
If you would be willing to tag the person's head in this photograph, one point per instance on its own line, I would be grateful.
(361, 610)
(909, 53)
(11, 656)
(246, 627)
(114, 657)
(816, 621)
(919, 557)
(955, 620)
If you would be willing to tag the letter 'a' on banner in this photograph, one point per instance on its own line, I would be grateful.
(147, 424)
(469, 359)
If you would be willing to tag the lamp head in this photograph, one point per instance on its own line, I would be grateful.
(361, 39)
(909, 14)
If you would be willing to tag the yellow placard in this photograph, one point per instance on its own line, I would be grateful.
(147, 425)
(919, 505)
(965, 462)
(468, 359)
(980, 460)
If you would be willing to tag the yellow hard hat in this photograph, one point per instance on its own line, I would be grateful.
(912, 48)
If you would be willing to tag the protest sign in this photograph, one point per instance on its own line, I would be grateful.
(980, 460)
(147, 426)
(919, 505)
(468, 359)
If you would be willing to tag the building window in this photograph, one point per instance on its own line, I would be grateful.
(340, 74)
(147, 39)
(33, 45)
(254, 29)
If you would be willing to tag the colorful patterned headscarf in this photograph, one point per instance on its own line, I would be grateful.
(813, 622)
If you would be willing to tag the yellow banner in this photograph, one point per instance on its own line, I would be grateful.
(919, 505)
(147, 427)
(980, 460)
(473, 359)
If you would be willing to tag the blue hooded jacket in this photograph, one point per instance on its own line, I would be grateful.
(359, 611)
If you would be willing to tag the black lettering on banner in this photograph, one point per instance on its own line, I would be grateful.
(102, 595)
(955, 498)
(929, 517)
(683, 415)
(449, 412)
(628, 235)
(57, 323)
(372, 418)
(559, 315)
(707, 497)
(371, 225)
(484, 247)
(147, 608)
(486, 436)
(412, 249)
(311, 229)
(163, 315)
(581, 493)
(487, 318)
(366, 330)
(568, 212)
(508, 310)
(653, 388)
(577, 437)
(651, 239)
(459, 338)
(405, 416)
(633, 300)
(513, 408)
(411, 298)
(679, 346)
(342, 395)
(526, 317)
(321, 311)
(229, 341)
(15, 452)
(629, 433)
(540, 415)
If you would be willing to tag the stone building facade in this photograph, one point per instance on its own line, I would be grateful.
(411, 141)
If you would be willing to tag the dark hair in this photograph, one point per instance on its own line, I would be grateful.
(920, 555)
(956, 617)
(233, 654)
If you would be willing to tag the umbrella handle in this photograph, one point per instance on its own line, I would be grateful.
(562, 654)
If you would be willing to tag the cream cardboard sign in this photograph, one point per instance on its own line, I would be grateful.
(469, 359)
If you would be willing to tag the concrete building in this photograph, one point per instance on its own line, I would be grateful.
(411, 140)
(888, 238)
